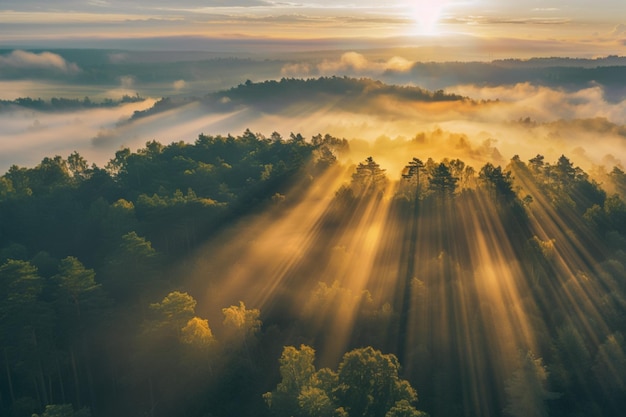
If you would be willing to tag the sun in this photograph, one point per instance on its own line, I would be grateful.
(426, 14)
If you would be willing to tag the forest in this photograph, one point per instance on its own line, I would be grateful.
(257, 275)
(345, 92)
(63, 104)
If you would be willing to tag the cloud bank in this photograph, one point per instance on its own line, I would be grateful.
(350, 63)
(44, 60)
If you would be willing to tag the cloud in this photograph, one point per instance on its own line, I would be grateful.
(544, 103)
(199, 3)
(118, 57)
(100, 4)
(124, 6)
(619, 30)
(45, 60)
(297, 69)
(398, 64)
(504, 20)
(350, 63)
(546, 9)
(179, 85)
(127, 81)
(35, 135)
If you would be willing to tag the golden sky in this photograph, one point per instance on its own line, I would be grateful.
(555, 27)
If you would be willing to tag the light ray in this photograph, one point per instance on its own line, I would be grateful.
(255, 266)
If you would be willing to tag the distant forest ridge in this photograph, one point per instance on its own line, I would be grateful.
(273, 95)
(282, 92)
(554, 72)
(611, 60)
(61, 103)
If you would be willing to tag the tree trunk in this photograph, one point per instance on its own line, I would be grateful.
(152, 403)
(92, 393)
(36, 385)
(61, 385)
(76, 379)
(50, 390)
(40, 381)
(405, 305)
(9, 379)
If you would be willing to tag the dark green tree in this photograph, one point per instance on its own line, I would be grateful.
(412, 174)
(609, 366)
(537, 164)
(369, 384)
(369, 179)
(565, 171)
(527, 390)
(497, 182)
(403, 408)
(77, 166)
(442, 183)
(296, 371)
(26, 330)
(77, 283)
(131, 268)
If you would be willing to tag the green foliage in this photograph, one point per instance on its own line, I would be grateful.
(6, 188)
(618, 179)
(442, 183)
(77, 165)
(243, 320)
(615, 210)
(296, 371)
(20, 283)
(369, 384)
(176, 309)
(497, 182)
(64, 104)
(73, 235)
(413, 176)
(357, 91)
(131, 267)
(197, 333)
(569, 371)
(127, 224)
(74, 279)
(403, 408)
(610, 365)
(565, 171)
(368, 179)
(366, 384)
(526, 389)
(314, 402)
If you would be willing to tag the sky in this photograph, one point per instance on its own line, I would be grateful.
(555, 27)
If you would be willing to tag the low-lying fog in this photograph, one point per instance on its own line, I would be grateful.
(583, 122)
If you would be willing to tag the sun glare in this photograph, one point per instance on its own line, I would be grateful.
(427, 14)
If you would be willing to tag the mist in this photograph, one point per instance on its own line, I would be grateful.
(27, 136)
(481, 124)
